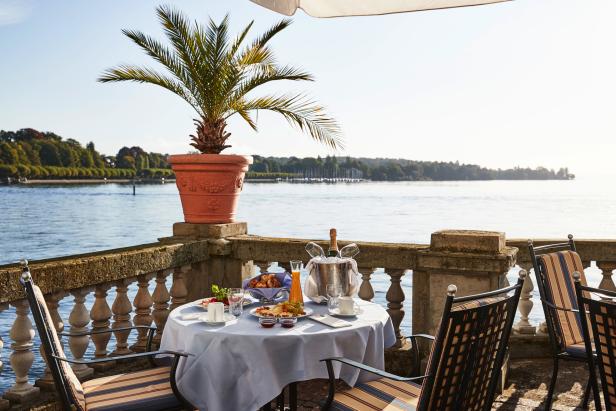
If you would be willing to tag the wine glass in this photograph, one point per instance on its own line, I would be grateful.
(349, 251)
(235, 296)
(333, 293)
(315, 250)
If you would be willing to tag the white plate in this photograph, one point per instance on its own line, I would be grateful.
(247, 302)
(336, 312)
(227, 318)
(308, 311)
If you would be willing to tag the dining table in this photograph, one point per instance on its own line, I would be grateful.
(242, 366)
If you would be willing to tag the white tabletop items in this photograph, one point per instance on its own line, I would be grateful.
(240, 365)
(244, 363)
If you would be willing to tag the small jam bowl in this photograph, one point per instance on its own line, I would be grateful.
(267, 322)
(288, 322)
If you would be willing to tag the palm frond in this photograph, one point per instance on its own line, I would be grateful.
(303, 113)
(146, 75)
(178, 31)
(268, 75)
(164, 56)
(257, 53)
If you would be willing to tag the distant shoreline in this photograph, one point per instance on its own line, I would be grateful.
(252, 180)
(93, 181)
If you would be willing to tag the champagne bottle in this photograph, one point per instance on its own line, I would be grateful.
(332, 251)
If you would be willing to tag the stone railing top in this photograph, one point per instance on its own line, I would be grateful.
(372, 254)
(468, 241)
(83, 270)
(589, 249)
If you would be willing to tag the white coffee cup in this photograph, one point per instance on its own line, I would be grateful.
(215, 312)
(346, 305)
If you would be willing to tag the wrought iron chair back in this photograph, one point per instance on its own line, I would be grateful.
(554, 265)
(469, 350)
(68, 386)
(598, 318)
(75, 396)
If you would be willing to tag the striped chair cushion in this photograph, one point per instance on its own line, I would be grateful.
(74, 386)
(147, 390)
(558, 269)
(381, 394)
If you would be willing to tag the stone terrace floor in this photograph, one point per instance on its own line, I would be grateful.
(526, 389)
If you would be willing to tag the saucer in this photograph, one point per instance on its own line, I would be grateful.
(226, 319)
(336, 312)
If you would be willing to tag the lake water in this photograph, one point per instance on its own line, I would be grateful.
(48, 221)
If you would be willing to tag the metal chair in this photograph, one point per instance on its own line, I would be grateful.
(151, 390)
(464, 366)
(600, 339)
(554, 266)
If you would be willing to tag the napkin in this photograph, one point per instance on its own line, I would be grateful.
(330, 321)
(190, 316)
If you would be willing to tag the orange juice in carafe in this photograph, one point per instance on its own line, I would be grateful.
(295, 294)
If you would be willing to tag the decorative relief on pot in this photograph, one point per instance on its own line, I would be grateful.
(239, 183)
(212, 187)
(213, 206)
(209, 186)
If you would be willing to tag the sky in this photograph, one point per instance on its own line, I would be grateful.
(521, 83)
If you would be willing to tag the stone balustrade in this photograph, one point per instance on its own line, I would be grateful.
(141, 285)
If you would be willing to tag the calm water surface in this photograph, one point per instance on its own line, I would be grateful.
(48, 221)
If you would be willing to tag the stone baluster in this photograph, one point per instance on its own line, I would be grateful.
(525, 306)
(178, 289)
(79, 319)
(161, 305)
(263, 266)
(607, 268)
(143, 312)
(366, 292)
(4, 404)
(121, 309)
(3, 307)
(395, 298)
(286, 265)
(53, 300)
(100, 314)
(22, 356)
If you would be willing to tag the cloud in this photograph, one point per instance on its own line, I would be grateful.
(14, 11)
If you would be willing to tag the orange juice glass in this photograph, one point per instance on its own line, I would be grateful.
(295, 295)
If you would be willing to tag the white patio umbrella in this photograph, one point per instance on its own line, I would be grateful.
(339, 8)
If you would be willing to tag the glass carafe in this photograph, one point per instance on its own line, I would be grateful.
(295, 294)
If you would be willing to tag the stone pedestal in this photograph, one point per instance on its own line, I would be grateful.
(202, 231)
(475, 261)
(220, 268)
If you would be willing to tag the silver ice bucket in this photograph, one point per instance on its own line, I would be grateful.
(326, 273)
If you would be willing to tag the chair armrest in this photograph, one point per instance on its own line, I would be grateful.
(123, 357)
(109, 330)
(555, 307)
(372, 370)
(426, 336)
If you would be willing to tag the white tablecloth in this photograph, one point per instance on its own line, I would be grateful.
(242, 366)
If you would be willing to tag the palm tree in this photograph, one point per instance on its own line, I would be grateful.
(216, 76)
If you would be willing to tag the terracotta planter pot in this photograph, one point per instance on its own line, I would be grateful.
(209, 185)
